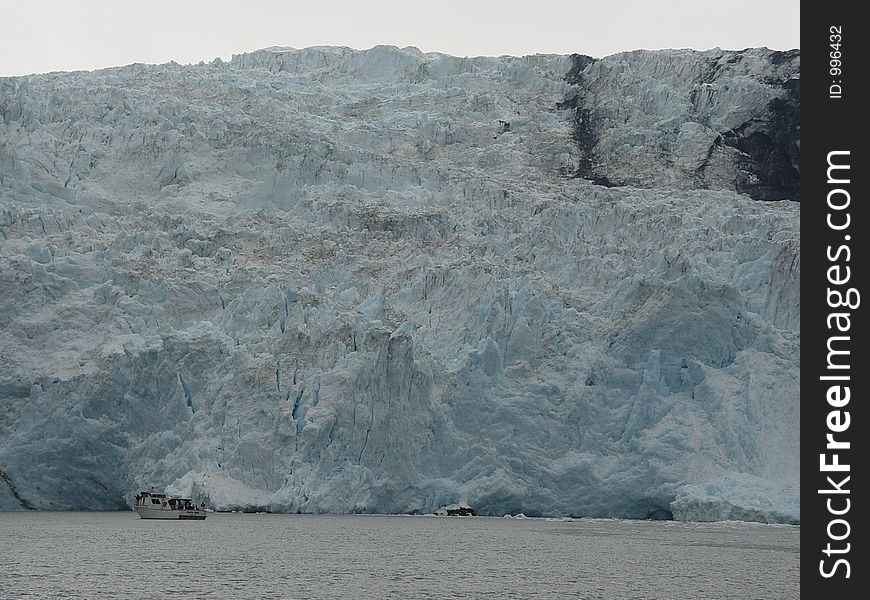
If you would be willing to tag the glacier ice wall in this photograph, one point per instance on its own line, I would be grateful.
(384, 281)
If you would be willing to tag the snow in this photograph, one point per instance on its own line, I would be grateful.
(327, 280)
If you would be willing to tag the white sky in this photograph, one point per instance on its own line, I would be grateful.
(49, 35)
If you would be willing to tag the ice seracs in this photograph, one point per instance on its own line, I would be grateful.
(327, 280)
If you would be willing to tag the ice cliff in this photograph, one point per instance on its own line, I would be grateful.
(328, 280)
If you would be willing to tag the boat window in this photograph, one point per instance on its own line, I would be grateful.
(155, 501)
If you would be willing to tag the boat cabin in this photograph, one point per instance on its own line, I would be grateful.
(153, 500)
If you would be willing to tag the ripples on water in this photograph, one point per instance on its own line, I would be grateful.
(118, 555)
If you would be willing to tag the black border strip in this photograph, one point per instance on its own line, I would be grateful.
(835, 261)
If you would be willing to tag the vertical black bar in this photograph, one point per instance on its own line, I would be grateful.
(834, 228)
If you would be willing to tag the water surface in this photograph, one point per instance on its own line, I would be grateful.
(118, 555)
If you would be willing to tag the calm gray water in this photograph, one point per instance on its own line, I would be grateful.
(117, 555)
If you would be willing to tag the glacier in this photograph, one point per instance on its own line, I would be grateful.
(387, 281)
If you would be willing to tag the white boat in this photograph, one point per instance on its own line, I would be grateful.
(160, 506)
(456, 510)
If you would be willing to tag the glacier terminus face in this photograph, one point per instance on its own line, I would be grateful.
(383, 281)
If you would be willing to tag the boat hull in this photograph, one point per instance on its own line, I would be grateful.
(146, 512)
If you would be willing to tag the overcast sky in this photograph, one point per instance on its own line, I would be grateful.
(40, 36)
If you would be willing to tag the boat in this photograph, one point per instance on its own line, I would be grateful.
(456, 510)
(151, 505)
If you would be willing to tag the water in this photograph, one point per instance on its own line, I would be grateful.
(117, 555)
